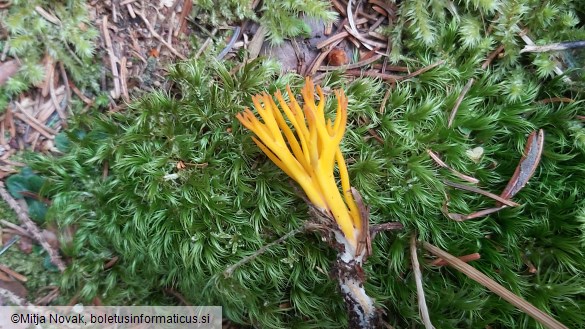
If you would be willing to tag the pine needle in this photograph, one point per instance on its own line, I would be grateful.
(545, 319)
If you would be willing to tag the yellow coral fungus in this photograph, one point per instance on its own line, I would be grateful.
(309, 153)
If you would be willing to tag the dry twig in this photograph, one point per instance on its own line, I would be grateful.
(53, 94)
(32, 228)
(158, 37)
(465, 258)
(16, 228)
(552, 47)
(351, 66)
(113, 58)
(459, 101)
(33, 122)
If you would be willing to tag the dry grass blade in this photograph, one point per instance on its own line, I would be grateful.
(336, 37)
(112, 56)
(47, 16)
(459, 101)
(34, 123)
(228, 47)
(374, 74)
(543, 318)
(56, 102)
(370, 44)
(422, 304)
(469, 83)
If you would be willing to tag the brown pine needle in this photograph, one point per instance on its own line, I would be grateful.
(482, 192)
(455, 172)
(465, 258)
(422, 304)
(538, 315)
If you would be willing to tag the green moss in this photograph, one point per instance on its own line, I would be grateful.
(181, 228)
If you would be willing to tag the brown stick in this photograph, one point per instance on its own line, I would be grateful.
(19, 230)
(423, 70)
(58, 108)
(66, 84)
(373, 74)
(32, 228)
(113, 57)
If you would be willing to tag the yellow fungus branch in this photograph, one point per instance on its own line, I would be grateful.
(309, 153)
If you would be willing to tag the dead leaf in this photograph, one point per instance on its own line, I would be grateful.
(7, 70)
(15, 287)
(527, 165)
(25, 245)
(51, 238)
(256, 43)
